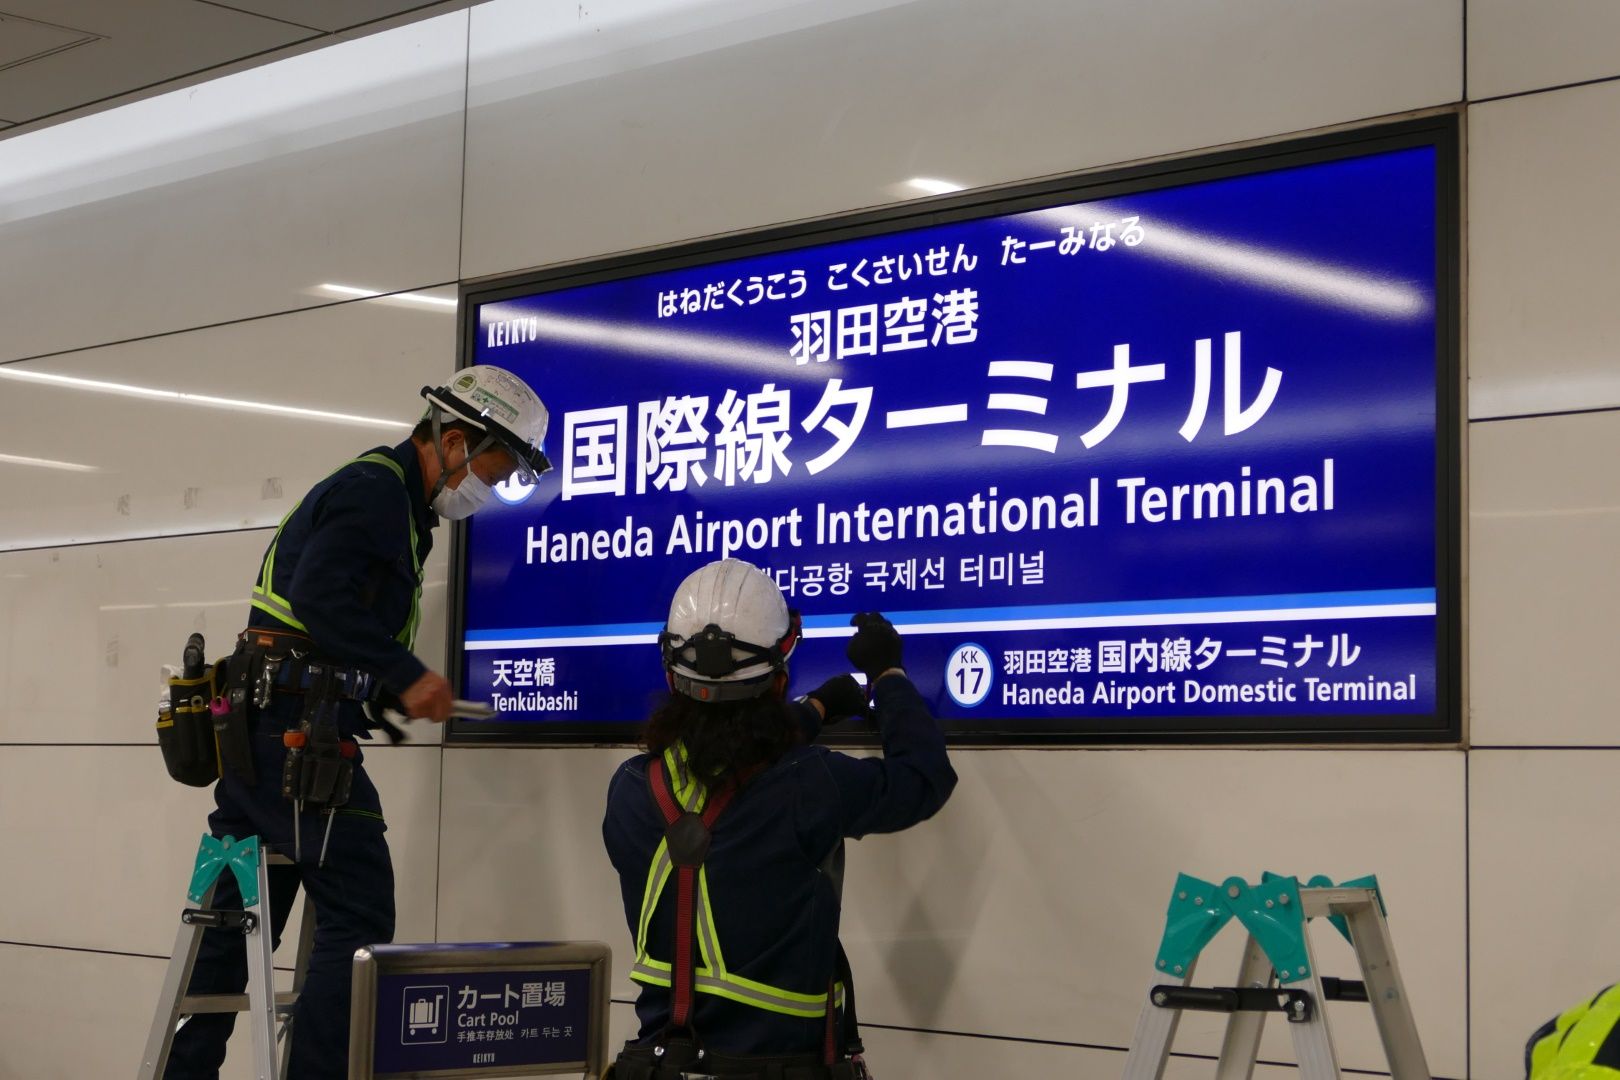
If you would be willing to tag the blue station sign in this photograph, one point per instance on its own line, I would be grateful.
(1167, 454)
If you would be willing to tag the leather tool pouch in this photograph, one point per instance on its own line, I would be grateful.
(320, 770)
(230, 712)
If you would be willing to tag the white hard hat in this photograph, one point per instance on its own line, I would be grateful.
(499, 403)
(729, 631)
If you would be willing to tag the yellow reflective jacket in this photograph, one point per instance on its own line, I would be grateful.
(1581, 1044)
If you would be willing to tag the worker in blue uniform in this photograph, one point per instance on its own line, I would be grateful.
(329, 637)
(728, 835)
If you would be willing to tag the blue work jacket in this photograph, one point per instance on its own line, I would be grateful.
(775, 906)
(343, 560)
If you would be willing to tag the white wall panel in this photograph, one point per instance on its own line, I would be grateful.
(913, 1055)
(1542, 887)
(1544, 302)
(239, 196)
(1514, 47)
(84, 631)
(160, 465)
(621, 125)
(1544, 526)
(105, 862)
(73, 1015)
(1032, 906)
(522, 856)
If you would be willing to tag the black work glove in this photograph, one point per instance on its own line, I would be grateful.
(840, 696)
(875, 648)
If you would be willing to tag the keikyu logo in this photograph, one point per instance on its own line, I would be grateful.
(513, 491)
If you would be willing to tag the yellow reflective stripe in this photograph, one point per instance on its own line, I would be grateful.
(743, 991)
(657, 878)
(691, 795)
(379, 459)
(407, 635)
(711, 976)
(1588, 1030)
(277, 611)
(267, 600)
(708, 937)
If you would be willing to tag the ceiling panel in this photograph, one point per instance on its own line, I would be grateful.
(138, 45)
(330, 15)
(22, 40)
(59, 58)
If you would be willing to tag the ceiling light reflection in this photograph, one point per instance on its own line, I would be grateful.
(402, 297)
(100, 386)
(624, 337)
(1339, 286)
(927, 185)
(47, 463)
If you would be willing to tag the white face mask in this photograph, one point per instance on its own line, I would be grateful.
(463, 500)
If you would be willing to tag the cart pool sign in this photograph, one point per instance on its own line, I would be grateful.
(482, 1009)
(1162, 454)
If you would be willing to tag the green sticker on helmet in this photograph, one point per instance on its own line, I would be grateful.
(465, 383)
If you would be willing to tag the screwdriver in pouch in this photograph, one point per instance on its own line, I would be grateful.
(340, 792)
(292, 783)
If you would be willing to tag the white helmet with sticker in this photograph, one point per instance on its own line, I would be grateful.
(499, 403)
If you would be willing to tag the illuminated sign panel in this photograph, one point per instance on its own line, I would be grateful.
(1156, 455)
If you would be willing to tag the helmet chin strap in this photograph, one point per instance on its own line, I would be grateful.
(444, 466)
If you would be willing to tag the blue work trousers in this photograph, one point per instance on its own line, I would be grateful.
(353, 894)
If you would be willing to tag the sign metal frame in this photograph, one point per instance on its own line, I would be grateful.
(1439, 130)
(450, 958)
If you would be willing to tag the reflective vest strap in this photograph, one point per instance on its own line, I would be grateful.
(676, 792)
(657, 877)
(278, 607)
(681, 1007)
(671, 805)
(407, 634)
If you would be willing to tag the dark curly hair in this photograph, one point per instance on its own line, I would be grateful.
(726, 737)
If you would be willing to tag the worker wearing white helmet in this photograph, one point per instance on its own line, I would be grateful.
(334, 614)
(728, 833)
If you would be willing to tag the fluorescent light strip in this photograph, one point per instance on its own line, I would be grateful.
(47, 463)
(407, 297)
(208, 400)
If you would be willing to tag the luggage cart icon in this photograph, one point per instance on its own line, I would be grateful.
(424, 1010)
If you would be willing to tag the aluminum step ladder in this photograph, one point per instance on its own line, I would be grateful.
(248, 863)
(1277, 974)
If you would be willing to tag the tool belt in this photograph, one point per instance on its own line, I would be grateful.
(206, 726)
(681, 1059)
(285, 663)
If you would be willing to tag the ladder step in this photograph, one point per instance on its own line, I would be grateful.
(194, 1004)
(1295, 1004)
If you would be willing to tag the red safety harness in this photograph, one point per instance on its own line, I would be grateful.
(688, 836)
